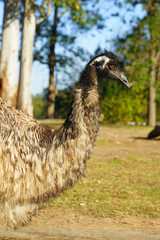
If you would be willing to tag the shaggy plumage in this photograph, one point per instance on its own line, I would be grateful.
(38, 163)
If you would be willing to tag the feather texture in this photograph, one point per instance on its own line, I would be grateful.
(38, 163)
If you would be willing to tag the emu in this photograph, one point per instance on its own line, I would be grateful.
(38, 163)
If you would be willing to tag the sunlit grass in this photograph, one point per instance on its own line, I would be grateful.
(102, 142)
(130, 185)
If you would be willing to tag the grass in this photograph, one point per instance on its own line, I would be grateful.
(102, 142)
(123, 185)
(116, 186)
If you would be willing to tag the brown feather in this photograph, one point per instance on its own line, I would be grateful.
(38, 163)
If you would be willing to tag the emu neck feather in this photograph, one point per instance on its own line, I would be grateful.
(74, 140)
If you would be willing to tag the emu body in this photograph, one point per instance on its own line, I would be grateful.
(38, 163)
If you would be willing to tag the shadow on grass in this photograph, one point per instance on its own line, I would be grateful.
(148, 139)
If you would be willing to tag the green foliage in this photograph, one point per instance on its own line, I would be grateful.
(135, 48)
(122, 104)
(39, 106)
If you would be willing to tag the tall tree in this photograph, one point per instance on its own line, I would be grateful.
(60, 30)
(9, 52)
(24, 101)
(51, 88)
(153, 10)
(142, 50)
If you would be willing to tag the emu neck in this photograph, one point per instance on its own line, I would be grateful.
(89, 77)
(84, 114)
(73, 142)
(85, 108)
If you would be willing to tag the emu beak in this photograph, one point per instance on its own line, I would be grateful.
(124, 80)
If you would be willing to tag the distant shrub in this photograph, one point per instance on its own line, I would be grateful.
(39, 106)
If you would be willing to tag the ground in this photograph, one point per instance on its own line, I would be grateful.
(126, 142)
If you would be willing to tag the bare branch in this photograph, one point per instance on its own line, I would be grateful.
(49, 11)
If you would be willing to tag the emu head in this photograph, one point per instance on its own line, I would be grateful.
(110, 67)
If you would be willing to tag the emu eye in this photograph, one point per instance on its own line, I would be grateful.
(112, 67)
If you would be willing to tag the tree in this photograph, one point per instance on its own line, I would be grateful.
(51, 88)
(141, 49)
(153, 10)
(9, 52)
(151, 27)
(52, 33)
(24, 101)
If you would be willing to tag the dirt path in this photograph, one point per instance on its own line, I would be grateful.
(67, 224)
(76, 234)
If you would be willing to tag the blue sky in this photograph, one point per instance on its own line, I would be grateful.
(89, 41)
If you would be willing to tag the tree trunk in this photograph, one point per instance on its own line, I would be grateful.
(152, 93)
(9, 52)
(154, 57)
(51, 88)
(24, 101)
(51, 94)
